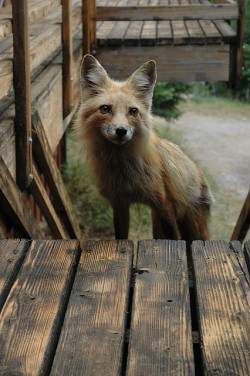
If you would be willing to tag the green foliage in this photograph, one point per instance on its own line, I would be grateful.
(167, 97)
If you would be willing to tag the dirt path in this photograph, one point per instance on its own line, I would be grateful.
(219, 139)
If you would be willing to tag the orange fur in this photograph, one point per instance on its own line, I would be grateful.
(131, 163)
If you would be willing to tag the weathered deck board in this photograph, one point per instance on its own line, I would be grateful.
(178, 63)
(247, 254)
(96, 314)
(222, 286)
(160, 332)
(176, 11)
(11, 255)
(32, 314)
(164, 32)
(133, 34)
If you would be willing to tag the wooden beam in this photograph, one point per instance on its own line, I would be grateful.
(240, 33)
(243, 222)
(85, 27)
(67, 52)
(21, 68)
(180, 12)
(161, 330)
(12, 252)
(99, 299)
(15, 207)
(41, 197)
(222, 289)
(47, 164)
(34, 310)
(180, 63)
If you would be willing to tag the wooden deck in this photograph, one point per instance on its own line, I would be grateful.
(191, 40)
(110, 310)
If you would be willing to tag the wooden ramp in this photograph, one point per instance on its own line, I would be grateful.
(191, 40)
(67, 311)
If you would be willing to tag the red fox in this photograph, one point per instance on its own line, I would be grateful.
(131, 163)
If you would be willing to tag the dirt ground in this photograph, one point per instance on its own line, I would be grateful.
(219, 139)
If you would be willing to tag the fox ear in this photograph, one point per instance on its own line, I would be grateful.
(143, 81)
(93, 75)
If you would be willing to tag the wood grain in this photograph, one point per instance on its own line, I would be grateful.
(22, 86)
(247, 254)
(67, 53)
(160, 333)
(93, 333)
(47, 164)
(174, 64)
(243, 222)
(12, 253)
(173, 12)
(33, 312)
(15, 207)
(223, 296)
(45, 205)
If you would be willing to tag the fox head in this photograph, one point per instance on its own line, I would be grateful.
(119, 112)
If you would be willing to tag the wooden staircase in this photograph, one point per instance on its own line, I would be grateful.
(191, 40)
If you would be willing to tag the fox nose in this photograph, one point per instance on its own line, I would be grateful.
(121, 131)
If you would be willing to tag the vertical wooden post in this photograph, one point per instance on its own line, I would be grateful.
(67, 56)
(85, 27)
(22, 86)
(240, 33)
(93, 27)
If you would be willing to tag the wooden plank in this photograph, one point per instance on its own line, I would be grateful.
(164, 32)
(5, 28)
(103, 32)
(93, 332)
(148, 34)
(47, 99)
(195, 32)
(15, 207)
(133, 34)
(170, 13)
(85, 26)
(34, 310)
(241, 36)
(92, 26)
(21, 69)
(160, 333)
(247, 254)
(12, 253)
(180, 33)
(227, 32)
(67, 52)
(42, 9)
(44, 43)
(223, 296)
(41, 197)
(243, 222)
(117, 33)
(47, 164)
(211, 32)
(184, 63)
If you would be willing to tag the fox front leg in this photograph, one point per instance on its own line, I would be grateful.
(164, 222)
(121, 219)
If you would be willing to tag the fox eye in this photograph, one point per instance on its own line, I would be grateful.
(105, 109)
(134, 111)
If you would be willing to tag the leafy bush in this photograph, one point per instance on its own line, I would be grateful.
(167, 97)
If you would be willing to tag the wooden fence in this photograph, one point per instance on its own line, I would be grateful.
(41, 45)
